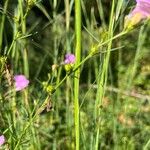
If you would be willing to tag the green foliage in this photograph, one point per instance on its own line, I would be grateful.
(112, 86)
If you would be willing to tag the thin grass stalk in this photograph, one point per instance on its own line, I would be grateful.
(141, 40)
(101, 12)
(103, 78)
(116, 102)
(2, 23)
(23, 28)
(68, 80)
(118, 8)
(85, 13)
(146, 147)
(77, 73)
(67, 7)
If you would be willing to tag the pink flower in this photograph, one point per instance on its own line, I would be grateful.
(140, 12)
(2, 140)
(21, 82)
(142, 8)
(69, 59)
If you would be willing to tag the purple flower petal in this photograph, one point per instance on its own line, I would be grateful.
(142, 8)
(2, 140)
(140, 12)
(141, 1)
(21, 82)
(69, 59)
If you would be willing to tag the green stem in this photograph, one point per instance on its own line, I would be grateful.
(77, 72)
(146, 146)
(103, 78)
(141, 39)
(23, 28)
(2, 23)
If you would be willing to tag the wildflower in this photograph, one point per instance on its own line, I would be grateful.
(2, 140)
(143, 8)
(21, 82)
(140, 12)
(69, 59)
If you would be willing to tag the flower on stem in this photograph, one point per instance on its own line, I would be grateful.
(69, 62)
(140, 12)
(2, 140)
(69, 59)
(21, 82)
(142, 8)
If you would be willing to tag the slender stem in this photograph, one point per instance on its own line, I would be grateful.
(2, 23)
(141, 40)
(103, 78)
(146, 146)
(77, 72)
